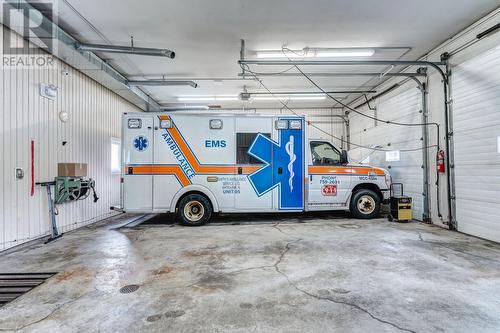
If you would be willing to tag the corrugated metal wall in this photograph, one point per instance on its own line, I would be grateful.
(94, 118)
(403, 105)
(476, 122)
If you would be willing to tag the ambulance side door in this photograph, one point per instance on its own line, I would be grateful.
(246, 198)
(329, 180)
(137, 143)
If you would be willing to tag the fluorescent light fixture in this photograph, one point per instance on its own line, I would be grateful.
(338, 54)
(231, 98)
(289, 97)
(317, 53)
(498, 144)
(278, 54)
(199, 107)
(207, 98)
(185, 107)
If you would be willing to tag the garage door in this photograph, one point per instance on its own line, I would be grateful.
(476, 122)
(405, 167)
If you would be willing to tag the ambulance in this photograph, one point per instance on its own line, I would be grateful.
(198, 164)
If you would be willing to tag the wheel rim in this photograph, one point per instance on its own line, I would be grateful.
(194, 211)
(366, 204)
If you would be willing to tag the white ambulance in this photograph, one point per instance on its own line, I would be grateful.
(197, 164)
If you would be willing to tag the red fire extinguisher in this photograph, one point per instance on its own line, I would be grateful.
(440, 161)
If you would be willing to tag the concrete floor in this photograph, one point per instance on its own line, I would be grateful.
(328, 273)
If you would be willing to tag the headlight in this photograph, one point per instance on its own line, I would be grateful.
(388, 179)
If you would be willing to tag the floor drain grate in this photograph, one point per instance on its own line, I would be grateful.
(129, 288)
(13, 285)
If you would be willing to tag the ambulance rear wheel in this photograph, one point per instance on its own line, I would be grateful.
(365, 204)
(194, 210)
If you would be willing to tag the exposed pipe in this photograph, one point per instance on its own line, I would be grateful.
(162, 83)
(162, 76)
(346, 74)
(126, 49)
(314, 92)
(434, 65)
(92, 62)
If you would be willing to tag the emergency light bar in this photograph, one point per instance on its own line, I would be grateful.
(295, 124)
(283, 124)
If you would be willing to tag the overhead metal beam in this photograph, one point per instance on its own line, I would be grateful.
(126, 49)
(314, 92)
(435, 65)
(347, 74)
(162, 83)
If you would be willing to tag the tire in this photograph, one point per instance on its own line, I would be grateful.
(194, 210)
(365, 204)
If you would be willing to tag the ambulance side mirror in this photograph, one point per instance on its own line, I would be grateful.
(343, 157)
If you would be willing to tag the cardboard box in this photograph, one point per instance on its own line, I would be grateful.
(72, 169)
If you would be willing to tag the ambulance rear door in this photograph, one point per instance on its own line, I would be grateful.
(137, 160)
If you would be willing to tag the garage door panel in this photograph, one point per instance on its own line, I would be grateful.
(403, 107)
(391, 142)
(476, 122)
(479, 212)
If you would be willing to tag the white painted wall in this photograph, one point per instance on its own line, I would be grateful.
(465, 47)
(94, 118)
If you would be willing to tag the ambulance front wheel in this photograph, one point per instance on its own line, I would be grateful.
(194, 209)
(365, 204)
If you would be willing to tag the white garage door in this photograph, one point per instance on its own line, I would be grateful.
(404, 167)
(476, 122)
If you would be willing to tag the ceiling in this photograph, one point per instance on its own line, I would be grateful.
(205, 36)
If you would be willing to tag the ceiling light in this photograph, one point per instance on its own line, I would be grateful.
(344, 53)
(317, 53)
(230, 98)
(197, 107)
(186, 107)
(278, 54)
(206, 98)
(289, 97)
